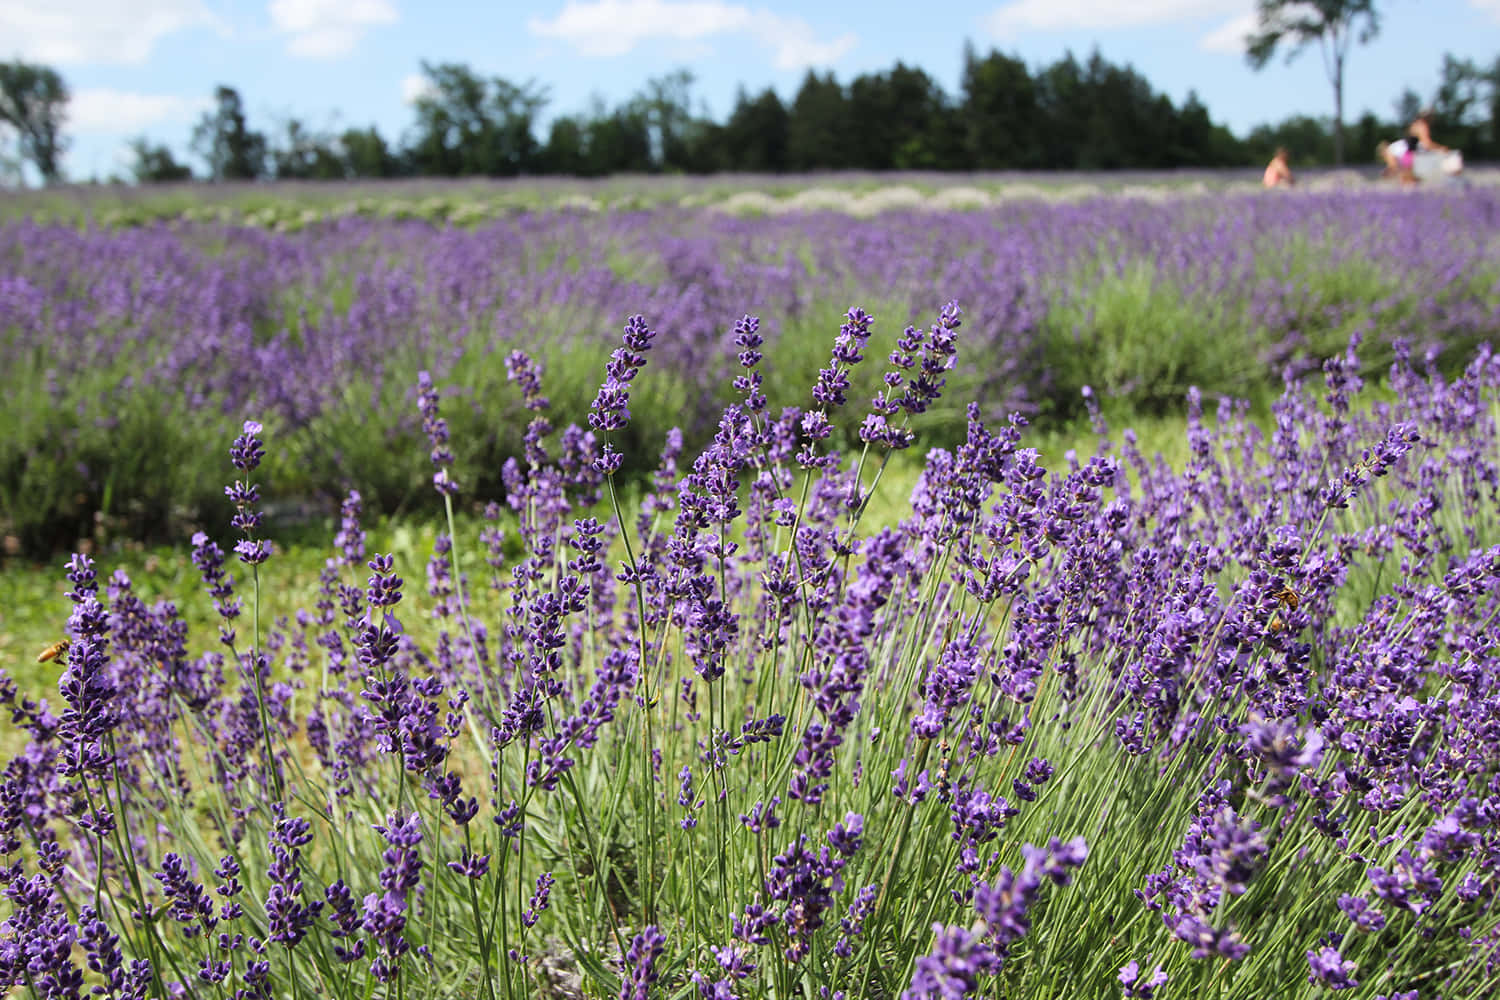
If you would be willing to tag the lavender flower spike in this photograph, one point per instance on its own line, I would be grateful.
(640, 964)
(610, 410)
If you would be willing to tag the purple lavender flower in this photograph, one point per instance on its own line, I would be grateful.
(538, 902)
(471, 865)
(1207, 940)
(344, 912)
(247, 449)
(1282, 747)
(288, 919)
(246, 453)
(847, 837)
(125, 980)
(1330, 969)
(1366, 916)
(436, 429)
(89, 690)
(1135, 987)
(852, 924)
(385, 914)
(748, 339)
(191, 905)
(640, 964)
(209, 560)
(384, 586)
(351, 536)
(686, 799)
(611, 407)
(831, 387)
(946, 687)
(1409, 882)
(527, 373)
(951, 970)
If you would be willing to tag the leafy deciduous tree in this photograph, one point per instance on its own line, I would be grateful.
(231, 149)
(469, 125)
(365, 153)
(155, 164)
(1333, 24)
(301, 153)
(33, 102)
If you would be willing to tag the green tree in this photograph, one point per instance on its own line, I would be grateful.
(227, 144)
(1125, 122)
(755, 137)
(33, 102)
(1464, 105)
(300, 153)
(1369, 132)
(365, 154)
(667, 106)
(469, 125)
(703, 150)
(901, 119)
(618, 141)
(1308, 139)
(1407, 107)
(564, 152)
(155, 164)
(1333, 24)
(999, 115)
(818, 129)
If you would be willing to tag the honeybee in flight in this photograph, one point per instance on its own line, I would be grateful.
(57, 651)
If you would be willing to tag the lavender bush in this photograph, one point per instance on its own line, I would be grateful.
(130, 354)
(1110, 729)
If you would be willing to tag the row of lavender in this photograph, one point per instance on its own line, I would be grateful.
(128, 352)
(1097, 731)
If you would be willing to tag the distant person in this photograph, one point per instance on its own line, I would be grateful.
(1420, 130)
(1278, 173)
(1399, 158)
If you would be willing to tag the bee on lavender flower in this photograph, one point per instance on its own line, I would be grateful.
(1288, 598)
(57, 651)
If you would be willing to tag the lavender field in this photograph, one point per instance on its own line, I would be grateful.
(131, 352)
(686, 701)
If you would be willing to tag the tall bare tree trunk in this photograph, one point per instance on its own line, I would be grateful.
(1338, 108)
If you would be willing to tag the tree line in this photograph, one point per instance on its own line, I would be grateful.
(1072, 114)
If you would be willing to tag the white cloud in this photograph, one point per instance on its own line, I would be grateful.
(118, 112)
(1230, 36)
(414, 87)
(1490, 7)
(614, 27)
(1061, 15)
(796, 48)
(324, 29)
(94, 31)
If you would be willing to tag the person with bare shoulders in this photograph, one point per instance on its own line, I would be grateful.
(1278, 173)
(1421, 130)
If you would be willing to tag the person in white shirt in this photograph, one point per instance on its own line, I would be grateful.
(1399, 158)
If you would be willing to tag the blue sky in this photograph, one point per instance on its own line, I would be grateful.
(147, 67)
